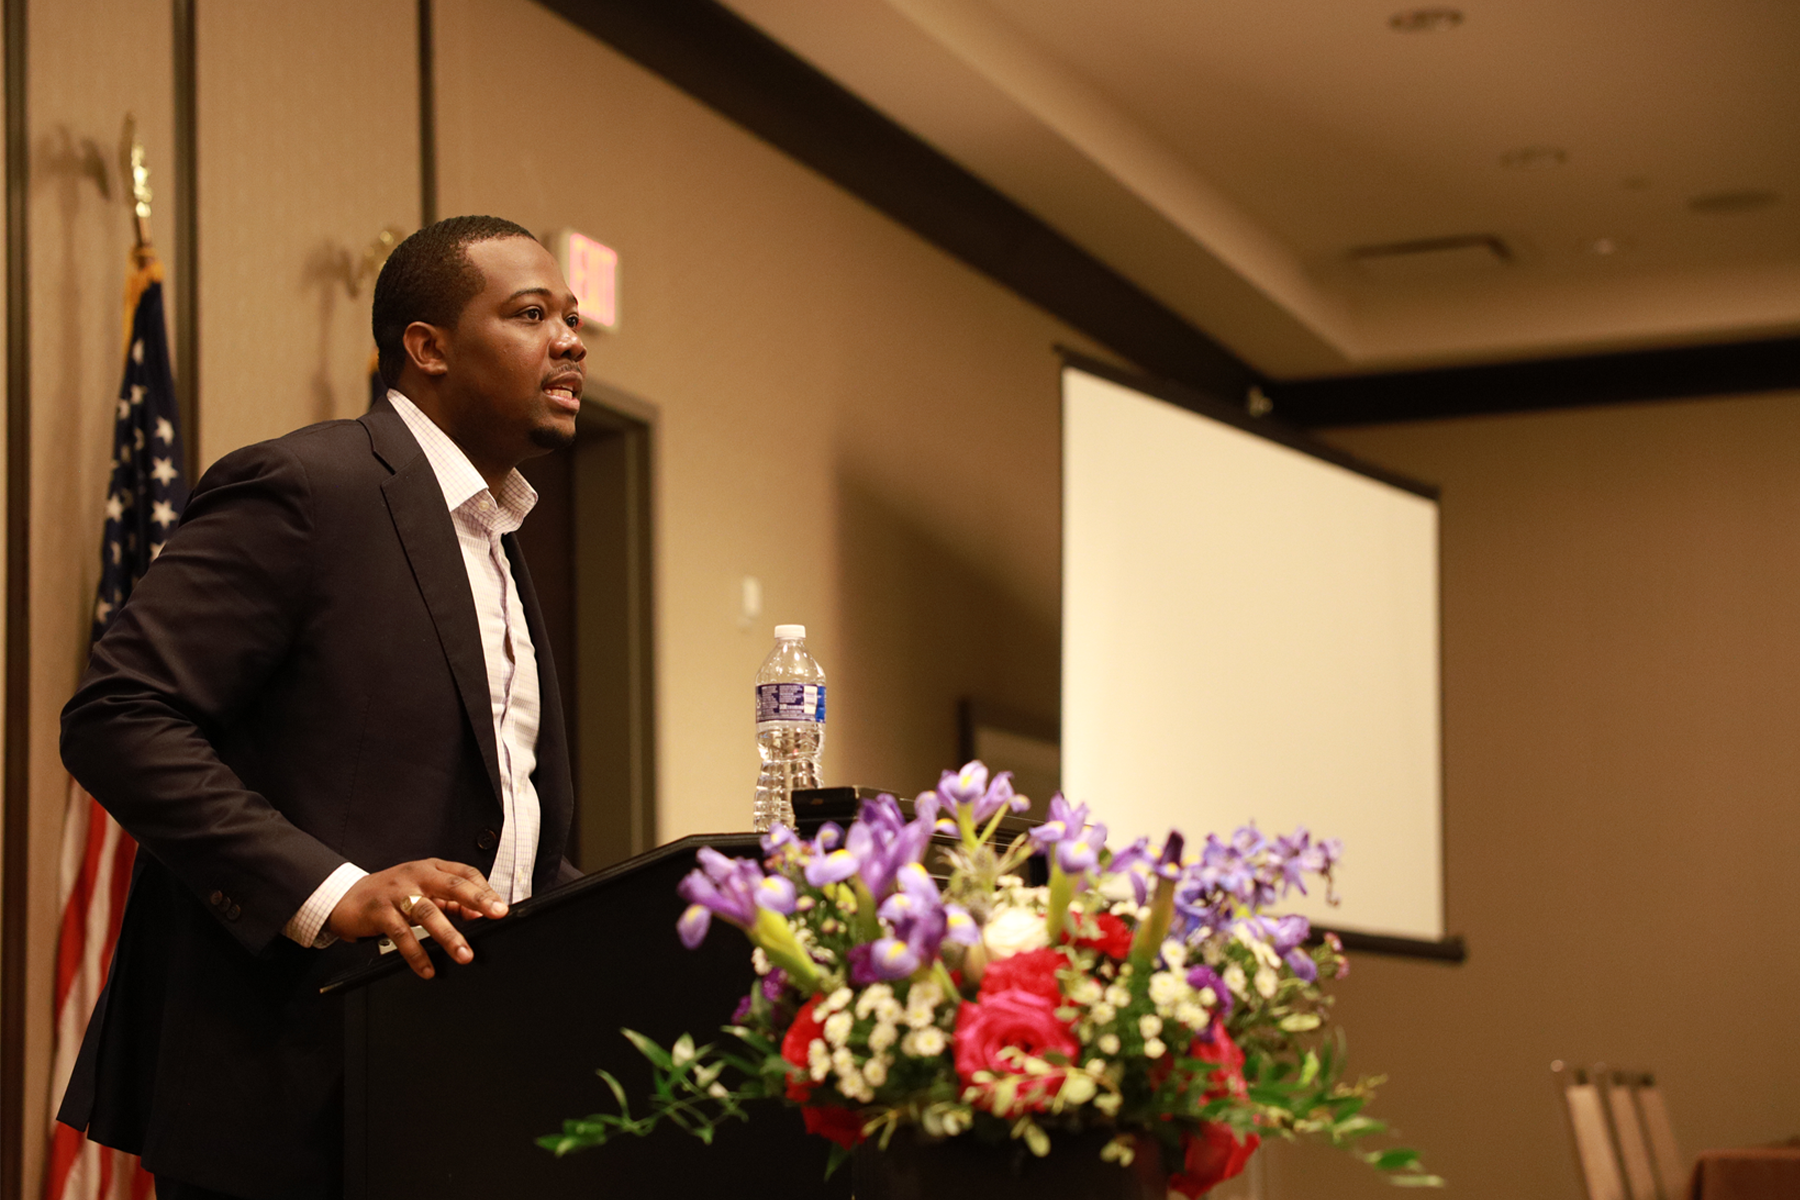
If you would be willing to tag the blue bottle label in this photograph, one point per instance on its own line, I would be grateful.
(790, 702)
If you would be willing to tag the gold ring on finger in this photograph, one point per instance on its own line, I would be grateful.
(406, 908)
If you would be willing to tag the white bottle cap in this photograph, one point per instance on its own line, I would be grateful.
(786, 632)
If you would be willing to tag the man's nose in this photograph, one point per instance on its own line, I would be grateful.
(568, 343)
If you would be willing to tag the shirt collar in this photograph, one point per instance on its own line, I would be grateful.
(456, 475)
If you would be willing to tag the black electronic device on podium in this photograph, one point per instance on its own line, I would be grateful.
(448, 1081)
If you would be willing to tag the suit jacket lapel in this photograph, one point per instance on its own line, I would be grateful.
(416, 503)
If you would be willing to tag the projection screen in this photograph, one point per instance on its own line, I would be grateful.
(1250, 633)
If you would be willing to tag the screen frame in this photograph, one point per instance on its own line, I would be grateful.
(1451, 947)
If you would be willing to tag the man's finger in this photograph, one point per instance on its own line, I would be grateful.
(442, 931)
(400, 933)
(474, 894)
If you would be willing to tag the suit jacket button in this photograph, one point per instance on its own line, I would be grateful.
(217, 899)
(231, 914)
(488, 840)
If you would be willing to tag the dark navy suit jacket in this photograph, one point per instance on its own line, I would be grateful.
(296, 682)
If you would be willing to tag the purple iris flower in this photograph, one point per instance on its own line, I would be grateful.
(960, 928)
(917, 913)
(882, 962)
(971, 788)
(882, 842)
(1066, 827)
(835, 867)
(779, 835)
(1285, 933)
(1302, 964)
(1135, 862)
(775, 893)
(724, 887)
(1205, 977)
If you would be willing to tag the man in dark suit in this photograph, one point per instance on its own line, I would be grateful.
(328, 715)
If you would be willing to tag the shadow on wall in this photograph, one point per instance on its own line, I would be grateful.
(922, 626)
(329, 270)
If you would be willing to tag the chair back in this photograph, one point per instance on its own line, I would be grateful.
(1628, 1135)
(1594, 1155)
(1671, 1168)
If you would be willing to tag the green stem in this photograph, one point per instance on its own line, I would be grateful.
(1062, 890)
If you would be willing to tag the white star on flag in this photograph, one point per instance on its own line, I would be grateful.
(114, 547)
(163, 471)
(124, 408)
(137, 438)
(165, 431)
(101, 610)
(115, 508)
(137, 393)
(137, 351)
(163, 513)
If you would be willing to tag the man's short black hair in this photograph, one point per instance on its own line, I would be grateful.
(429, 278)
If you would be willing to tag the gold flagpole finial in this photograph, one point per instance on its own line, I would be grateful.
(137, 181)
(374, 257)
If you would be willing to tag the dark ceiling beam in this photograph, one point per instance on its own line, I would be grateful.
(728, 64)
(1670, 374)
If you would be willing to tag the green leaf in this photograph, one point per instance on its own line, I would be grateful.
(1416, 1180)
(650, 1050)
(1309, 1069)
(1395, 1160)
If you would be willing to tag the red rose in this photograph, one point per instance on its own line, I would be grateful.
(1114, 939)
(1031, 971)
(1020, 1019)
(1211, 1155)
(839, 1124)
(800, 1035)
(1227, 1059)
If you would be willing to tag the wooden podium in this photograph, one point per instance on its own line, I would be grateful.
(517, 1035)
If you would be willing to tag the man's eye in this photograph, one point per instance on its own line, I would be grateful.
(573, 320)
(534, 313)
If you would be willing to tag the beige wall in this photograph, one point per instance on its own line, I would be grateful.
(848, 414)
(1622, 678)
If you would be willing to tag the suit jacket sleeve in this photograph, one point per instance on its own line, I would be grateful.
(214, 616)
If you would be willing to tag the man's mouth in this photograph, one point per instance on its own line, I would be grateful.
(566, 391)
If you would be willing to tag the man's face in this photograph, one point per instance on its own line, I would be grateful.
(514, 378)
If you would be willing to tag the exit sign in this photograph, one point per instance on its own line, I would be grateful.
(592, 269)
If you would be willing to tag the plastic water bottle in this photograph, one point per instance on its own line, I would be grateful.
(790, 725)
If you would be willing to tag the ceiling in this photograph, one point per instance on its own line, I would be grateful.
(1326, 191)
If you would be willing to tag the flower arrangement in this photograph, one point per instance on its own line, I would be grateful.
(1142, 991)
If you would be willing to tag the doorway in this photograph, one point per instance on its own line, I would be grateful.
(588, 543)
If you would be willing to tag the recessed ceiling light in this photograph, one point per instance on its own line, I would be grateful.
(1746, 200)
(1534, 158)
(1426, 20)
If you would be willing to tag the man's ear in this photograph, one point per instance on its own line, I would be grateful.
(426, 348)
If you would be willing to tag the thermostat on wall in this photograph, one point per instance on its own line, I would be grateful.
(592, 269)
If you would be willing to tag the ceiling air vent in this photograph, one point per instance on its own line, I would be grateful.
(1429, 258)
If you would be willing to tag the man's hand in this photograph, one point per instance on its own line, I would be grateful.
(378, 906)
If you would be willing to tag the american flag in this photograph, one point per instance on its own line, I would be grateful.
(144, 500)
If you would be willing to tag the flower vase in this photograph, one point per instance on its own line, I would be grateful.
(917, 1168)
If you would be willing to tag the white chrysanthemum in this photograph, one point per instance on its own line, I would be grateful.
(759, 960)
(888, 1010)
(926, 993)
(1103, 1013)
(882, 1036)
(818, 1060)
(1154, 1048)
(928, 1042)
(1175, 954)
(1149, 1025)
(1190, 1014)
(1235, 980)
(837, 1028)
(1265, 982)
(836, 1000)
(1108, 1043)
(872, 995)
(1118, 995)
(1013, 931)
(1166, 987)
(1086, 991)
(875, 1071)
